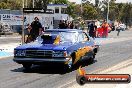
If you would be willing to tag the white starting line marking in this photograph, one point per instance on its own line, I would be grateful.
(8, 47)
(18, 37)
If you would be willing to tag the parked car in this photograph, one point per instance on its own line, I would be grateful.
(57, 47)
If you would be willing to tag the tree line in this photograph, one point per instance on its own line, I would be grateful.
(122, 12)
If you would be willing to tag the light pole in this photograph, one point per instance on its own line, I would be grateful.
(108, 11)
(23, 3)
(81, 7)
(33, 3)
(26, 3)
(23, 23)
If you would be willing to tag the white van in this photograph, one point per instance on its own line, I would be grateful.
(5, 28)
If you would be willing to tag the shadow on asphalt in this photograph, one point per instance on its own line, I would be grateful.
(41, 69)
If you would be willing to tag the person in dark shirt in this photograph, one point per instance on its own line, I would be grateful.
(65, 25)
(71, 25)
(92, 29)
(36, 28)
(60, 24)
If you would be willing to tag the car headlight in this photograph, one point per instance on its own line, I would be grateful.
(19, 53)
(59, 54)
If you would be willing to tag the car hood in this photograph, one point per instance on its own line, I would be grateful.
(39, 46)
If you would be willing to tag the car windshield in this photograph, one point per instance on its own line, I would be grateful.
(65, 36)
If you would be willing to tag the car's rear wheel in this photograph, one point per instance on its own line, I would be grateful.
(81, 80)
(27, 66)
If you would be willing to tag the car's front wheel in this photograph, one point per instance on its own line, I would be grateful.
(69, 66)
(81, 80)
(27, 66)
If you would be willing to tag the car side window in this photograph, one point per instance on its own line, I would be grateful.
(86, 38)
(82, 37)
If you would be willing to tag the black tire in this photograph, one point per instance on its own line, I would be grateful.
(81, 80)
(68, 67)
(27, 66)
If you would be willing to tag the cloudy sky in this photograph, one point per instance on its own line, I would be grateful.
(123, 1)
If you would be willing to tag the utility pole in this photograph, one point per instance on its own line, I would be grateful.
(26, 3)
(108, 11)
(23, 38)
(23, 3)
(81, 8)
(33, 3)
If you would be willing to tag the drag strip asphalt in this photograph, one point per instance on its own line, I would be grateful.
(12, 75)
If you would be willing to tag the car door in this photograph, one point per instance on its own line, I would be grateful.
(89, 44)
(84, 47)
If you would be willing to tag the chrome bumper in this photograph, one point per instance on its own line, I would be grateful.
(40, 60)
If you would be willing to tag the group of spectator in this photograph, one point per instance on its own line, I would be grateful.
(102, 31)
(66, 25)
(34, 29)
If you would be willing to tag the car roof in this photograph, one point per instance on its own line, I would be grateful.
(63, 30)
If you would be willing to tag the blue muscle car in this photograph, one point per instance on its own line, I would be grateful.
(57, 47)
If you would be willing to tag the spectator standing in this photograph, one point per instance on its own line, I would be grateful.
(27, 35)
(92, 29)
(76, 26)
(65, 25)
(89, 24)
(61, 25)
(113, 27)
(105, 26)
(118, 29)
(71, 25)
(36, 29)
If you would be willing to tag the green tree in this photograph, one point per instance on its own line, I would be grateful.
(3, 5)
(127, 14)
(89, 12)
(11, 4)
(59, 1)
(71, 9)
(113, 9)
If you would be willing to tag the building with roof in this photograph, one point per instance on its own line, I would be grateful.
(59, 13)
(15, 17)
